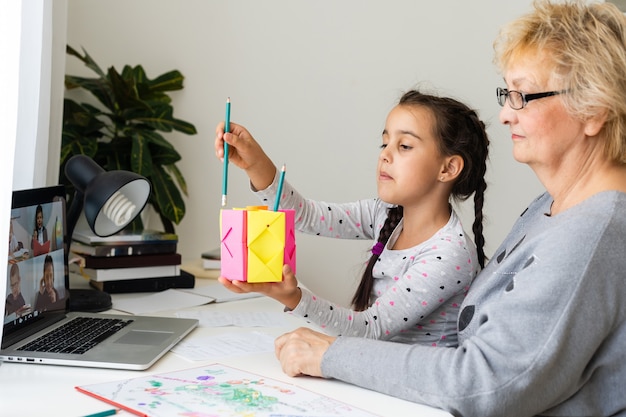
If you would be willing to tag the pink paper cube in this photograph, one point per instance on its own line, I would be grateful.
(256, 242)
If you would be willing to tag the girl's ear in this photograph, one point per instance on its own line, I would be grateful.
(452, 168)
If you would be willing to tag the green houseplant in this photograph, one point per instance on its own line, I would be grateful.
(123, 132)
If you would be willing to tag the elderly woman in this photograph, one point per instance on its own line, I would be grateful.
(543, 328)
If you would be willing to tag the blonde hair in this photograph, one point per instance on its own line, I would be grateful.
(586, 46)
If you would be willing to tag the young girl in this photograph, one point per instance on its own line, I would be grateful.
(433, 149)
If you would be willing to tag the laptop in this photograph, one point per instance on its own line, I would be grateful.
(37, 302)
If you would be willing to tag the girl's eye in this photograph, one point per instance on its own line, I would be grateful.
(406, 147)
(383, 146)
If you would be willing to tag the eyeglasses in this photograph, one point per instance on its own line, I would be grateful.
(519, 100)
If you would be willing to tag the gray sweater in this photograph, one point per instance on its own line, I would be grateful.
(542, 330)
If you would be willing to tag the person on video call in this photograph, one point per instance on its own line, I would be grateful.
(40, 233)
(48, 296)
(15, 302)
(14, 245)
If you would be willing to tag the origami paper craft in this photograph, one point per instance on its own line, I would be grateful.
(233, 244)
(256, 242)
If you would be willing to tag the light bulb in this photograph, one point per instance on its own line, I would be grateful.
(119, 209)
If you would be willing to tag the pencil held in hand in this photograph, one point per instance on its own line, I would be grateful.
(279, 192)
(225, 166)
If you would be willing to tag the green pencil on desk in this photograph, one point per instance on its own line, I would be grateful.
(225, 167)
(279, 192)
(104, 413)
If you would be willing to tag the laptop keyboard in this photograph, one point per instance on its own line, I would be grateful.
(76, 336)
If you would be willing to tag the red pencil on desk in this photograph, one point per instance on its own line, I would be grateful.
(106, 400)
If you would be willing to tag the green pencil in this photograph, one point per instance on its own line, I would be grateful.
(225, 167)
(103, 413)
(281, 179)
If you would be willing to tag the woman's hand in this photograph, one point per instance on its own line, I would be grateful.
(285, 292)
(300, 352)
(246, 153)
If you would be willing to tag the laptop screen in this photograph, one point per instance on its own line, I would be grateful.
(37, 281)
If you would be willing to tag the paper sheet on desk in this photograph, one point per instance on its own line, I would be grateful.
(239, 319)
(217, 390)
(220, 293)
(224, 345)
(161, 301)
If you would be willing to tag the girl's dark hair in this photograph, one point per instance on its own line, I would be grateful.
(38, 210)
(48, 260)
(462, 133)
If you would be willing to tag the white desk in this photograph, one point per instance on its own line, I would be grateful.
(48, 390)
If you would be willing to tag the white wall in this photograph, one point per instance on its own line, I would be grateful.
(313, 81)
(41, 59)
(34, 111)
(10, 25)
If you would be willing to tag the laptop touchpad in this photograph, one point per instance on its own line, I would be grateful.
(139, 337)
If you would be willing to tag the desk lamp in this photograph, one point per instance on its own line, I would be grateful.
(111, 200)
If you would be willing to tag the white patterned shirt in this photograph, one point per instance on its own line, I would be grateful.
(417, 292)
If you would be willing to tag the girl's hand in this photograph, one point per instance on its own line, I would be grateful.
(285, 292)
(245, 153)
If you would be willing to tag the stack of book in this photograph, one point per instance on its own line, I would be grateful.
(211, 259)
(129, 262)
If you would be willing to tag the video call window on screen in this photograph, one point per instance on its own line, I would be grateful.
(36, 262)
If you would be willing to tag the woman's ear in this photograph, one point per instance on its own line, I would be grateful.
(595, 123)
(452, 168)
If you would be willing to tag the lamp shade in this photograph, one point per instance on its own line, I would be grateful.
(111, 200)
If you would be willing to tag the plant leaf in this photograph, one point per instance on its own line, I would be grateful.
(178, 176)
(166, 195)
(89, 62)
(125, 90)
(157, 141)
(115, 154)
(159, 119)
(161, 151)
(164, 156)
(82, 118)
(77, 144)
(185, 127)
(140, 156)
(99, 88)
(81, 130)
(170, 81)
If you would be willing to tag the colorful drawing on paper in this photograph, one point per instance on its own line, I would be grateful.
(217, 390)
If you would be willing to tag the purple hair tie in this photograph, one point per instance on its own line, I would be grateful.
(377, 249)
